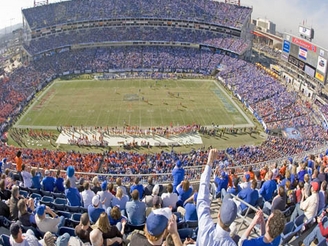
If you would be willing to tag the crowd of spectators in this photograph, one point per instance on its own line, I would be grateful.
(135, 33)
(274, 105)
(229, 15)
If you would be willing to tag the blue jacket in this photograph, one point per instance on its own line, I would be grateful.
(36, 182)
(191, 213)
(94, 213)
(73, 196)
(178, 176)
(138, 187)
(248, 195)
(222, 183)
(48, 183)
(267, 190)
(59, 185)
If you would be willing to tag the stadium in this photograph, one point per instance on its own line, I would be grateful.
(112, 79)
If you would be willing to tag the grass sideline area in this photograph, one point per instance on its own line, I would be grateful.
(136, 102)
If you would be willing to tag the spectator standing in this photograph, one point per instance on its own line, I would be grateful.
(27, 176)
(208, 232)
(138, 187)
(59, 183)
(73, 196)
(36, 179)
(70, 172)
(178, 174)
(48, 182)
(87, 195)
(149, 187)
(19, 162)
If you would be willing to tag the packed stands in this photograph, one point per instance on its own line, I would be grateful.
(83, 11)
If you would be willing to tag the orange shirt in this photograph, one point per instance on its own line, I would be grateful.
(19, 162)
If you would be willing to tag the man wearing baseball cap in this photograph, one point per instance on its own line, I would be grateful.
(159, 223)
(208, 233)
(308, 207)
(95, 209)
(48, 182)
(46, 223)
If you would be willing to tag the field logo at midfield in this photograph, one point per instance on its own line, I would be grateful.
(131, 97)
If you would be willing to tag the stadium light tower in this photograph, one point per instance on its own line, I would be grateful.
(40, 2)
(236, 2)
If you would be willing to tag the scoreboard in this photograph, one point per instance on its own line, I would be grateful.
(308, 57)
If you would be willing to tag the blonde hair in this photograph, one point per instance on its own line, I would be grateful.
(119, 192)
(102, 223)
(185, 185)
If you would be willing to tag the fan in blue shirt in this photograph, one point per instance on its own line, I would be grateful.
(270, 231)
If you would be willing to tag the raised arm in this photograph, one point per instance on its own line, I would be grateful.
(203, 200)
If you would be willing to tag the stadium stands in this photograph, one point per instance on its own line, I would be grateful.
(270, 101)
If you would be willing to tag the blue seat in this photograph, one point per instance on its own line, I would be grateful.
(75, 219)
(322, 243)
(191, 224)
(66, 214)
(5, 240)
(83, 210)
(287, 233)
(298, 223)
(58, 195)
(69, 230)
(45, 193)
(76, 216)
(34, 190)
(47, 200)
(73, 209)
(185, 233)
(36, 195)
(59, 204)
(23, 193)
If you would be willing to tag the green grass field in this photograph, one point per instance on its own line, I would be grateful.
(138, 102)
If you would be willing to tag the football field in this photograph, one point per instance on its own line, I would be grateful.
(135, 102)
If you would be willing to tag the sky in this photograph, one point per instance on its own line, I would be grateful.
(286, 14)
